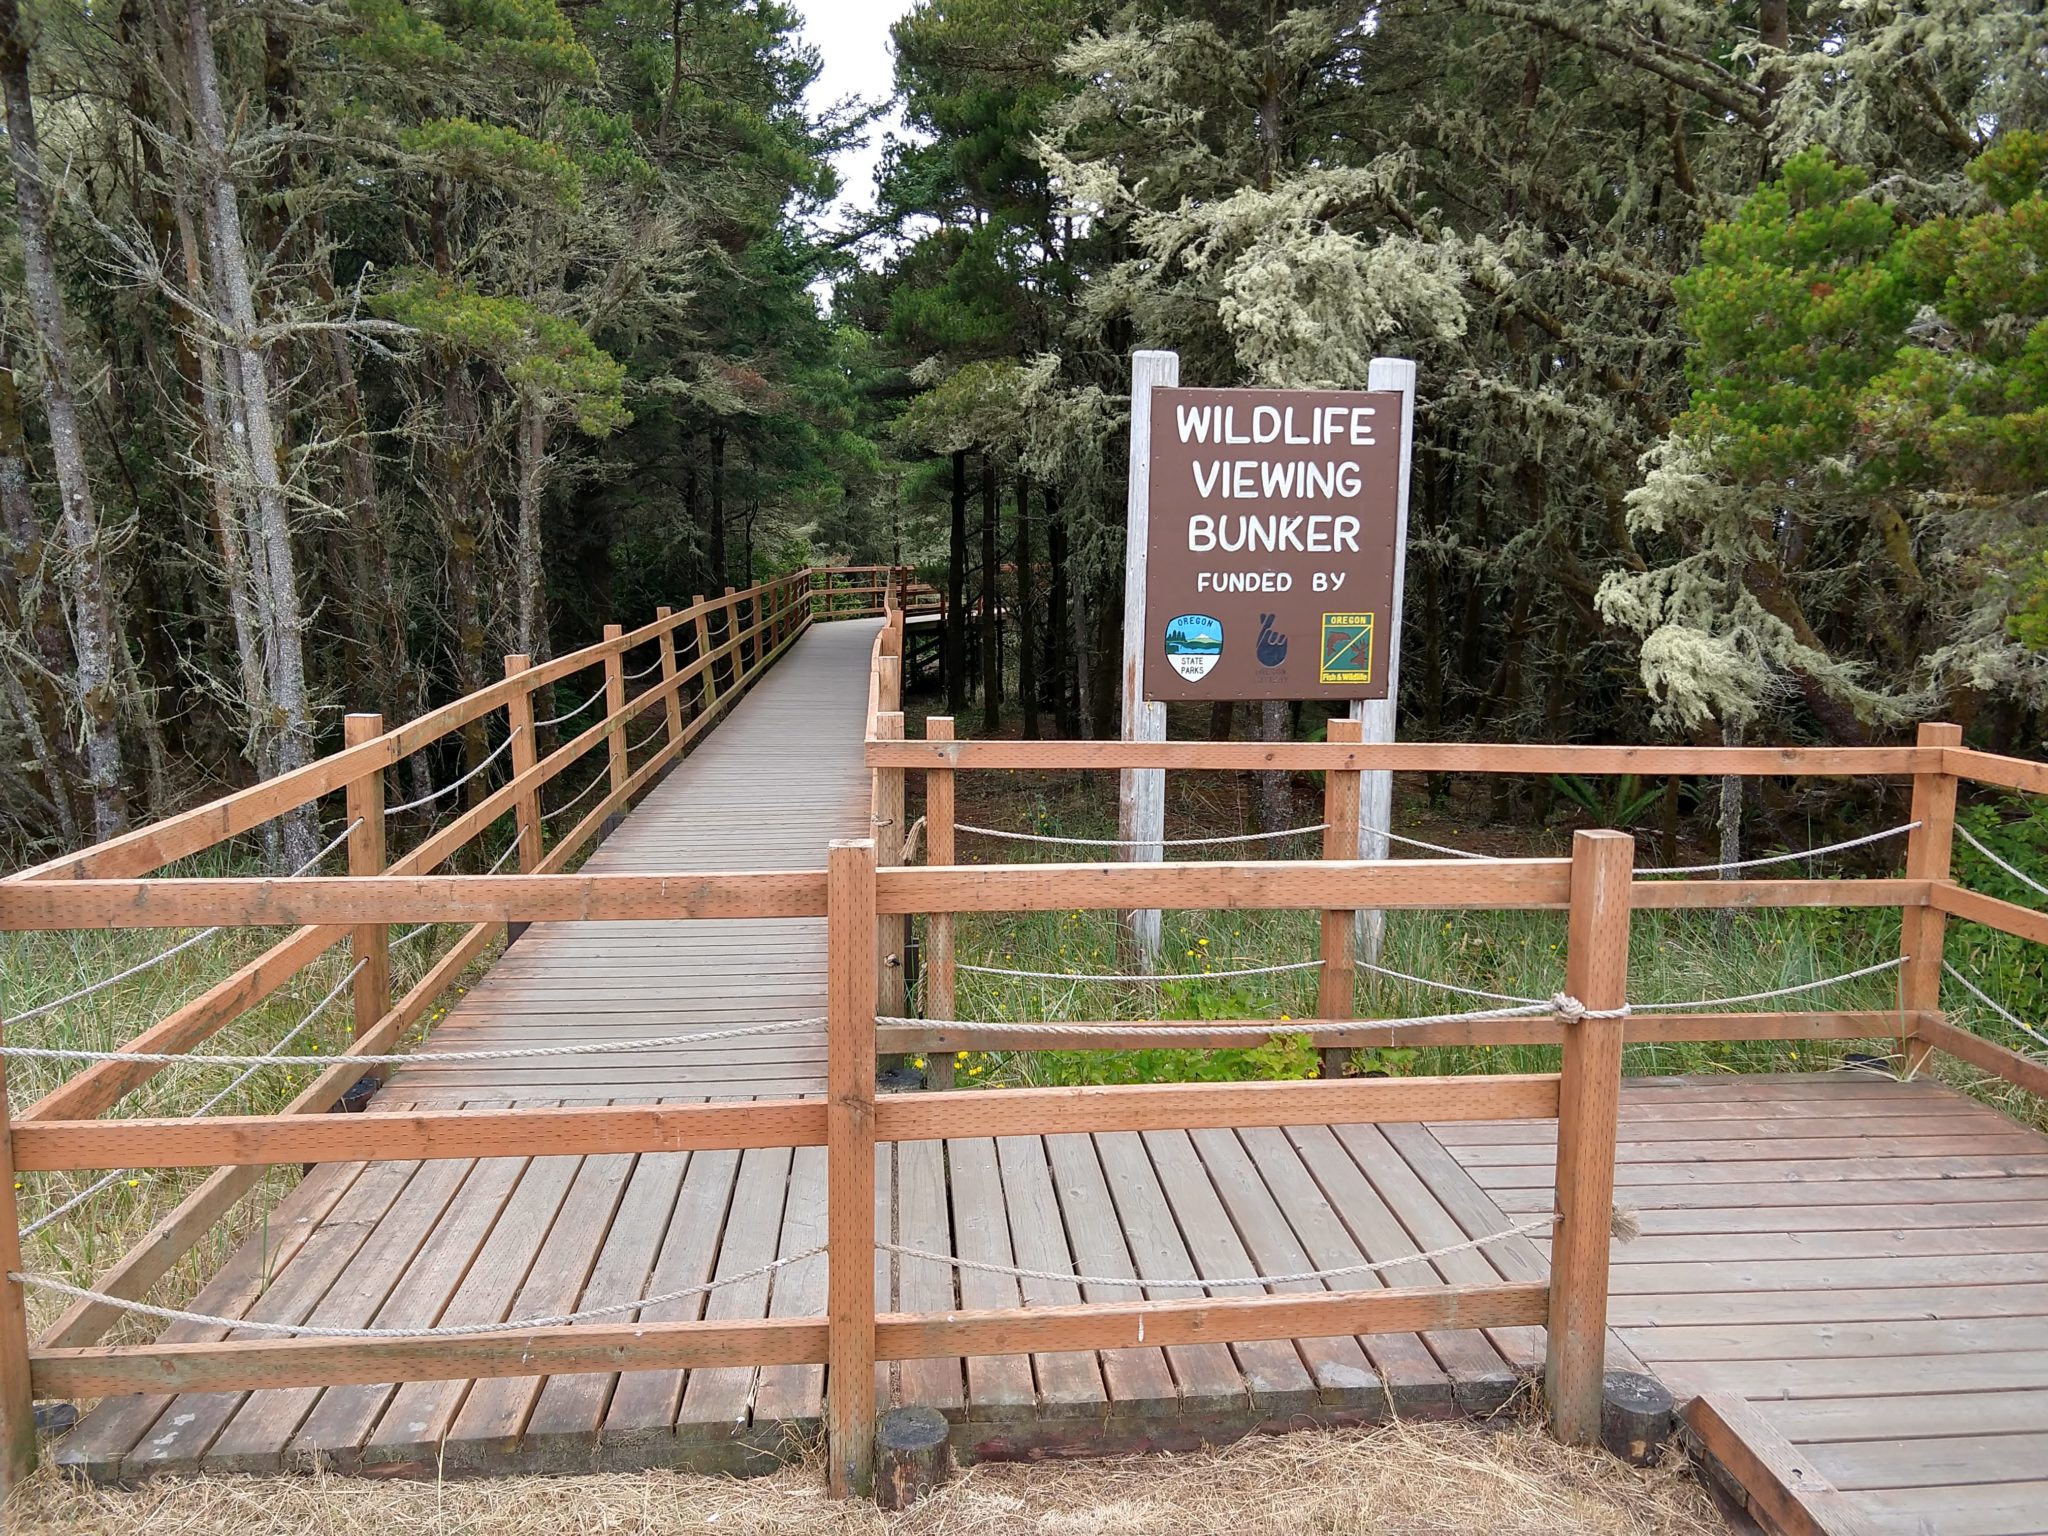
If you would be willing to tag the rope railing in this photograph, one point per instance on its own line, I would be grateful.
(115, 1175)
(448, 789)
(652, 666)
(1995, 1006)
(1132, 842)
(570, 714)
(578, 798)
(439, 1330)
(1224, 1282)
(522, 1053)
(1780, 858)
(2011, 869)
(1252, 970)
(157, 959)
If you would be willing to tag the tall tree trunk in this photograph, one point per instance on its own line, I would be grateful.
(1027, 628)
(533, 459)
(720, 576)
(991, 563)
(29, 606)
(956, 593)
(1103, 656)
(95, 625)
(249, 393)
(1273, 786)
(1056, 665)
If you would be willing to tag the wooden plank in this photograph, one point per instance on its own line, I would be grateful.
(1692, 895)
(716, 1403)
(1069, 1383)
(99, 1446)
(1410, 757)
(1999, 1509)
(641, 1417)
(1246, 885)
(1401, 1216)
(1930, 1413)
(1861, 1377)
(490, 1426)
(999, 1386)
(418, 1417)
(254, 1440)
(2024, 1071)
(2006, 916)
(789, 1400)
(1952, 1339)
(1832, 1305)
(1892, 1243)
(923, 1220)
(417, 1134)
(180, 1438)
(261, 903)
(1787, 1493)
(1138, 1381)
(1414, 1384)
(1740, 1196)
(1343, 1377)
(334, 1432)
(1206, 1374)
(1992, 768)
(1197, 1106)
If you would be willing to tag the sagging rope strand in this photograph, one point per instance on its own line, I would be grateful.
(578, 798)
(1995, 1006)
(1562, 1005)
(635, 746)
(1208, 842)
(176, 949)
(449, 789)
(569, 714)
(634, 677)
(115, 1175)
(444, 1330)
(1226, 1282)
(2018, 874)
(1254, 970)
(526, 1053)
(1782, 858)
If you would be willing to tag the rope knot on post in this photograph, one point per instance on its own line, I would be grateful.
(1569, 1009)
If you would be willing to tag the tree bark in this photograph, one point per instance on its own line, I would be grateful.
(95, 625)
(248, 387)
(719, 575)
(991, 563)
(533, 458)
(1027, 663)
(1056, 664)
(956, 593)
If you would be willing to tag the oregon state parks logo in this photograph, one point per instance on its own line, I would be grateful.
(1194, 642)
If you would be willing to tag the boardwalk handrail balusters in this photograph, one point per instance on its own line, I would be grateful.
(102, 888)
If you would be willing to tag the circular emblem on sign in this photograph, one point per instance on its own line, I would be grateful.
(1194, 641)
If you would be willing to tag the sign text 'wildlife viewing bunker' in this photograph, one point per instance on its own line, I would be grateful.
(1270, 567)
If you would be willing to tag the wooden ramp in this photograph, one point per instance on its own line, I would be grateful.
(1864, 1261)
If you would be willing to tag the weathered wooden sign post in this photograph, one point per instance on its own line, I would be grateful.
(1267, 537)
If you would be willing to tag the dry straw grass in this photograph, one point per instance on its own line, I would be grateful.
(1401, 1480)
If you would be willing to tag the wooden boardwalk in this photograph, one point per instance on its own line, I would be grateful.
(1865, 1261)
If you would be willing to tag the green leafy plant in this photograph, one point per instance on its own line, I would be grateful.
(1622, 802)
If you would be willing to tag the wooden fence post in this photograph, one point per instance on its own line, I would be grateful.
(369, 943)
(729, 615)
(707, 684)
(17, 1397)
(1337, 989)
(1588, 1103)
(887, 798)
(525, 754)
(850, 1166)
(673, 705)
(939, 975)
(1930, 851)
(615, 707)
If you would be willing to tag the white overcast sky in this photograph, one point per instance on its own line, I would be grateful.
(852, 36)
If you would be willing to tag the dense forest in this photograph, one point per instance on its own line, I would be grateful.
(349, 344)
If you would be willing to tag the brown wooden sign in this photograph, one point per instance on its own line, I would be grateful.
(1270, 552)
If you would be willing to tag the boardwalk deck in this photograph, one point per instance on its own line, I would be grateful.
(1866, 1261)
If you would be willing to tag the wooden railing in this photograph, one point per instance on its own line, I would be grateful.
(866, 893)
(869, 591)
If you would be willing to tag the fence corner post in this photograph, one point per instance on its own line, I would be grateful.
(615, 706)
(1337, 986)
(1930, 852)
(939, 843)
(369, 943)
(17, 1392)
(707, 683)
(888, 817)
(850, 1166)
(525, 756)
(673, 702)
(1588, 1104)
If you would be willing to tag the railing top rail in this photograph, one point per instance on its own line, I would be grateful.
(1437, 757)
(1994, 768)
(193, 831)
